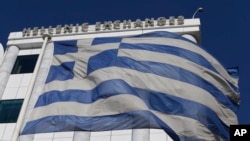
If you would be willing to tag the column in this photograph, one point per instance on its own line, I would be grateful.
(6, 67)
(1, 53)
(190, 37)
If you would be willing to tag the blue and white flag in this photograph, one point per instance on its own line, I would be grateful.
(156, 80)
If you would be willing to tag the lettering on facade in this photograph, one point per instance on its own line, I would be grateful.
(85, 27)
(105, 26)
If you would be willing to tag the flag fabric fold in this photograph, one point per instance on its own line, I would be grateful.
(156, 80)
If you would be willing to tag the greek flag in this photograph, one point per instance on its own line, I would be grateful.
(156, 80)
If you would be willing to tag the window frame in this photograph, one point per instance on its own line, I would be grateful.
(21, 65)
(9, 110)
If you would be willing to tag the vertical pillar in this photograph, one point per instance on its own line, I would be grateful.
(6, 67)
(190, 37)
(1, 53)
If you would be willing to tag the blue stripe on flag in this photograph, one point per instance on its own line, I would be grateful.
(129, 120)
(162, 102)
(234, 72)
(186, 54)
(104, 59)
(97, 41)
(61, 72)
(63, 47)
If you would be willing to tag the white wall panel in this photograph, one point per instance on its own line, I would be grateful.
(121, 138)
(100, 138)
(10, 93)
(157, 131)
(8, 131)
(81, 136)
(25, 81)
(26, 137)
(64, 135)
(21, 92)
(122, 132)
(35, 51)
(158, 137)
(104, 133)
(121, 135)
(29, 51)
(14, 80)
(62, 139)
(23, 43)
(2, 129)
(24, 52)
(44, 136)
(43, 140)
(140, 135)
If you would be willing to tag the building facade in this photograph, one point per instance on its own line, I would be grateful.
(20, 58)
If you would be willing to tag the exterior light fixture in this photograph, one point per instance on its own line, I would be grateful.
(200, 10)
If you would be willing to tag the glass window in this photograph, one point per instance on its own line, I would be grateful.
(9, 110)
(24, 64)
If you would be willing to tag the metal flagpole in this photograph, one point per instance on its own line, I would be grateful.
(46, 38)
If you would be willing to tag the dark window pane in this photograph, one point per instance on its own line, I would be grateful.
(9, 110)
(24, 64)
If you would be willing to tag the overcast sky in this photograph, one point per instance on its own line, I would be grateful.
(225, 25)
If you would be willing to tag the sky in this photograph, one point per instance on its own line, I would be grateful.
(225, 25)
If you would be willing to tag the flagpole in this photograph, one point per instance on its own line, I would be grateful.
(46, 38)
